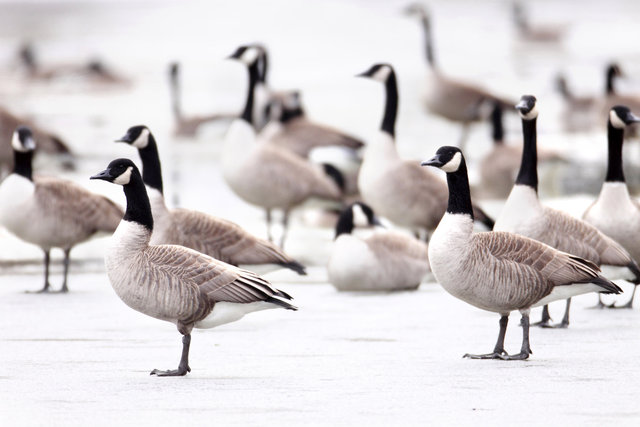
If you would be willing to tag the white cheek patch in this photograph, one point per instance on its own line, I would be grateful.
(382, 74)
(124, 177)
(29, 144)
(531, 114)
(249, 56)
(142, 140)
(616, 121)
(453, 164)
(359, 217)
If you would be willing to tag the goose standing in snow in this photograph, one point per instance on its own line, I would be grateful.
(174, 283)
(400, 190)
(50, 212)
(446, 97)
(615, 213)
(263, 174)
(524, 214)
(216, 237)
(383, 261)
(498, 271)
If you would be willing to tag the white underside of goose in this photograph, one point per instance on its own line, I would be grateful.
(227, 312)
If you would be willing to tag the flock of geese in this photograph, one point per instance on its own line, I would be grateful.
(194, 269)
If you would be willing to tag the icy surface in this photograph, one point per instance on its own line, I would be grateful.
(342, 359)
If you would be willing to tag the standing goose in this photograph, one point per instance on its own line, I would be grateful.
(580, 112)
(383, 261)
(615, 213)
(187, 126)
(50, 212)
(216, 237)
(400, 190)
(263, 174)
(175, 283)
(498, 271)
(524, 214)
(537, 34)
(446, 97)
(613, 98)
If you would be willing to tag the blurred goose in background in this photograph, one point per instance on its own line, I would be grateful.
(382, 261)
(497, 271)
(47, 142)
(174, 283)
(524, 214)
(579, 113)
(50, 212)
(216, 237)
(187, 126)
(400, 190)
(615, 213)
(447, 97)
(613, 98)
(265, 175)
(537, 34)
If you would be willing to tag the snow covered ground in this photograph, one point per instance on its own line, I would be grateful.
(342, 359)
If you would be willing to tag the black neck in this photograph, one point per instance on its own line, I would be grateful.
(254, 75)
(22, 164)
(151, 169)
(610, 90)
(528, 174)
(138, 206)
(428, 44)
(497, 130)
(391, 105)
(345, 223)
(459, 192)
(291, 113)
(265, 68)
(614, 168)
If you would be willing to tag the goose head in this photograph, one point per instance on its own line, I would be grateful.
(357, 215)
(417, 9)
(379, 72)
(527, 107)
(447, 158)
(22, 140)
(138, 136)
(119, 171)
(247, 54)
(621, 116)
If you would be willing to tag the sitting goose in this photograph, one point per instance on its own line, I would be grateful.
(400, 190)
(50, 212)
(174, 283)
(446, 97)
(216, 237)
(524, 214)
(499, 271)
(383, 261)
(615, 213)
(263, 174)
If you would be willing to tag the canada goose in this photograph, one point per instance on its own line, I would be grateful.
(613, 98)
(50, 212)
(397, 189)
(216, 237)
(383, 261)
(187, 126)
(47, 142)
(615, 213)
(499, 271)
(536, 34)
(580, 112)
(446, 97)
(524, 214)
(265, 175)
(174, 283)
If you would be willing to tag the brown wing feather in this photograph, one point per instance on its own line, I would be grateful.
(301, 136)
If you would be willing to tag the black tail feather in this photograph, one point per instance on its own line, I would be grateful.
(608, 287)
(295, 266)
(335, 174)
(633, 266)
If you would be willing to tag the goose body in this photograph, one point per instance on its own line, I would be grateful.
(546, 34)
(500, 271)
(210, 235)
(579, 113)
(382, 261)
(51, 212)
(525, 215)
(171, 282)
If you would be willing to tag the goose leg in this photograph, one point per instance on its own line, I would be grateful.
(46, 274)
(64, 288)
(525, 350)
(545, 320)
(269, 236)
(630, 303)
(565, 318)
(183, 366)
(498, 351)
(285, 228)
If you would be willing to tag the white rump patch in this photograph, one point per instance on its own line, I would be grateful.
(359, 217)
(453, 164)
(382, 74)
(124, 177)
(29, 144)
(616, 121)
(142, 140)
(227, 312)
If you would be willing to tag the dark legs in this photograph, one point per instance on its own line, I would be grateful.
(525, 350)
(545, 321)
(64, 288)
(183, 367)
(269, 236)
(498, 351)
(285, 228)
(47, 259)
(46, 273)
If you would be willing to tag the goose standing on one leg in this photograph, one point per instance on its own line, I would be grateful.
(615, 213)
(400, 190)
(385, 260)
(524, 214)
(265, 175)
(174, 283)
(216, 237)
(497, 271)
(50, 212)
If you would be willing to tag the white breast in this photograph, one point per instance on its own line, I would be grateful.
(352, 265)
(161, 217)
(521, 208)
(238, 145)
(16, 201)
